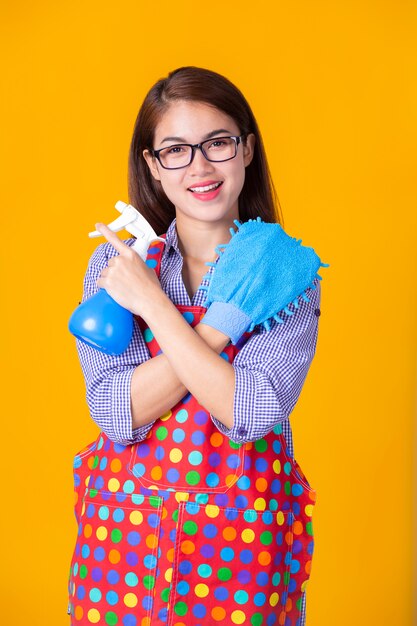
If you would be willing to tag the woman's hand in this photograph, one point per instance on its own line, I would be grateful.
(127, 279)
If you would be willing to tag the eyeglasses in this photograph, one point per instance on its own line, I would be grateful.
(181, 154)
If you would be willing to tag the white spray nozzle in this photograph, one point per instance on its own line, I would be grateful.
(131, 220)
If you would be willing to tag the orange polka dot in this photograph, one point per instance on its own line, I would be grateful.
(170, 555)
(146, 621)
(297, 528)
(78, 612)
(216, 440)
(187, 547)
(151, 541)
(289, 538)
(116, 465)
(249, 445)
(114, 556)
(261, 484)
(312, 495)
(307, 567)
(90, 462)
(88, 531)
(218, 613)
(164, 513)
(231, 479)
(156, 472)
(229, 533)
(264, 558)
(281, 618)
(288, 605)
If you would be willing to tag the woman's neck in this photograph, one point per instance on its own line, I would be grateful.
(197, 240)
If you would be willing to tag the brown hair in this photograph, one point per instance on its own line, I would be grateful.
(258, 196)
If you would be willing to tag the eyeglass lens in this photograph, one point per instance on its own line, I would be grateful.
(218, 149)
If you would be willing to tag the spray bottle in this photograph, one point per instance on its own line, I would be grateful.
(100, 321)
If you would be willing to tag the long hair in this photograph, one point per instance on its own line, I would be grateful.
(258, 195)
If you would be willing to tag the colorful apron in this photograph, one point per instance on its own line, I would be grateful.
(188, 528)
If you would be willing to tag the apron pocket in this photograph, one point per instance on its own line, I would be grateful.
(82, 466)
(232, 566)
(113, 568)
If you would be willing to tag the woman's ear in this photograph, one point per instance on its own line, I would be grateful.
(152, 164)
(248, 148)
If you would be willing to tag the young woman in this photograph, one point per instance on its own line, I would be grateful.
(191, 507)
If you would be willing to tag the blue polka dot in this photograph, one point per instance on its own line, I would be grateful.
(147, 603)
(212, 479)
(276, 446)
(295, 566)
(133, 538)
(132, 559)
(246, 556)
(185, 567)
(173, 475)
(210, 531)
(178, 435)
(112, 598)
(129, 486)
(188, 316)
(276, 486)
(149, 561)
(153, 520)
(262, 579)
(244, 576)
(91, 509)
(95, 594)
(139, 469)
(233, 461)
(181, 416)
(261, 465)
(143, 450)
(199, 611)
(241, 502)
(85, 551)
(118, 448)
(267, 517)
(81, 592)
(131, 579)
(214, 459)
(99, 482)
(231, 513)
(113, 577)
(159, 453)
(198, 437)
(151, 263)
(221, 593)
(243, 483)
(292, 586)
(118, 515)
(259, 599)
(129, 620)
(183, 588)
(195, 458)
(99, 554)
(227, 554)
(103, 463)
(297, 489)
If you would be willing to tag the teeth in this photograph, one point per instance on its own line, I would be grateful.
(208, 188)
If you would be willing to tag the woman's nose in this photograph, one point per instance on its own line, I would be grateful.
(200, 163)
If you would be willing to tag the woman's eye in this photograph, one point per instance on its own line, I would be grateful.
(216, 144)
(175, 149)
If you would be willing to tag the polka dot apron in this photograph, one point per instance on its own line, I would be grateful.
(188, 528)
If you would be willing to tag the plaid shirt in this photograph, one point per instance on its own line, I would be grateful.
(270, 369)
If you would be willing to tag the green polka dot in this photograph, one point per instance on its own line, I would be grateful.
(93, 493)
(287, 576)
(149, 582)
(190, 528)
(165, 594)
(241, 597)
(192, 478)
(181, 608)
(299, 603)
(287, 488)
(175, 515)
(148, 335)
(111, 618)
(116, 535)
(266, 538)
(309, 528)
(287, 468)
(224, 573)
(95, 462)
(261, 445)
(235, 445)
(83, 571)
(154, 501)
(204, 570)
(161, 433)
(256, 619)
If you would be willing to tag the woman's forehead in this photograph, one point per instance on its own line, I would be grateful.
(191, 122)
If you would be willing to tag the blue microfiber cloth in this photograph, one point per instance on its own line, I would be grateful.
(259, 273)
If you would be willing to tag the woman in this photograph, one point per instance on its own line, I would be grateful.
(191, 507)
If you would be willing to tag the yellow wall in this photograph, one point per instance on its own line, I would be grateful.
(333, 86)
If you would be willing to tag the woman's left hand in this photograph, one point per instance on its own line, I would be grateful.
(127, 279)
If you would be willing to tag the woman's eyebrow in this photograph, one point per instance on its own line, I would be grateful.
(208, 136)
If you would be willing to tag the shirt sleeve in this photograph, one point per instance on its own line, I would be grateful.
(271, 369)
(107, 377)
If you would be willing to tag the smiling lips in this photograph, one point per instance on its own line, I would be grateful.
(207, 190)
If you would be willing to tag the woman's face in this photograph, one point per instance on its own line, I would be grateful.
(192, 122)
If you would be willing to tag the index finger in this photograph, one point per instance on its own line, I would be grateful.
(112, 238)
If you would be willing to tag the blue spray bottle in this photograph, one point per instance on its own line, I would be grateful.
(100, 321)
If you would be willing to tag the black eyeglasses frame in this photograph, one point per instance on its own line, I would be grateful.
(198, 146)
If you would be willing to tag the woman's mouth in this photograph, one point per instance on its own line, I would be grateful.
(206, 192)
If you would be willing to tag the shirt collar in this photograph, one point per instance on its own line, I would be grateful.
(171, 240)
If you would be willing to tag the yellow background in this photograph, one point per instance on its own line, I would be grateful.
(333, 87)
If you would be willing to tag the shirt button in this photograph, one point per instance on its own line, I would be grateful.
(317, 312)
(242, 431)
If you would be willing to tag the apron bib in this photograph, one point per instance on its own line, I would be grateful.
(188, 528)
